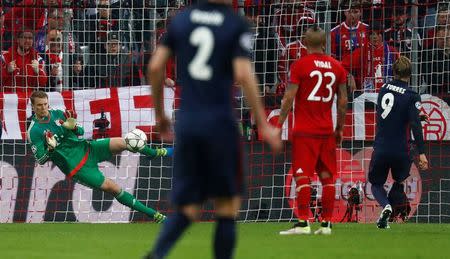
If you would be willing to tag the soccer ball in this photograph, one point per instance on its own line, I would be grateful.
(135, 140)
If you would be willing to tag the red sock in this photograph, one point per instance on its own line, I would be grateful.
(303, 198)
(328, 192)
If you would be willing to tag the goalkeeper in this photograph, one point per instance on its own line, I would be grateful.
(54, 135)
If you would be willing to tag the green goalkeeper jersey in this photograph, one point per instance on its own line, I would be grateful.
(71, 146)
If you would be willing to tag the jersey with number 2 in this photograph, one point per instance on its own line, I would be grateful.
(205, 39)
(318, 77)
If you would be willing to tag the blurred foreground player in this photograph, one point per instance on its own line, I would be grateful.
(212, 45)
(55, 135)
(313, 82)
(398, 108)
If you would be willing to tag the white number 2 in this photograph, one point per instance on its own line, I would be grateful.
(386, 104)
(312, 96)
(203, 38)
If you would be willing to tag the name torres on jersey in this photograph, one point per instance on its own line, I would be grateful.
(394, 88)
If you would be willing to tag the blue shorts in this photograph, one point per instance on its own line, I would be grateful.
(381, 163)
(206, 167)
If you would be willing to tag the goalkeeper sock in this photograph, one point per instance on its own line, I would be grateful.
(130, 201)
(225, 238)
(158, 152)
(172, 229)
(380, 195)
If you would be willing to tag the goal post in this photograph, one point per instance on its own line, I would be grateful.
(112, 97)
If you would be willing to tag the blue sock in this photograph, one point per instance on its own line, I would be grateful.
(225, 238)
(172, 229)
(380, 194)
(397, 195)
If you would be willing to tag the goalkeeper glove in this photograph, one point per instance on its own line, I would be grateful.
(51, 140)
(70, 114)
(71, 120)
(70, 123)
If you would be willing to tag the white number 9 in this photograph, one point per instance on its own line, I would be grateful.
(386, 104)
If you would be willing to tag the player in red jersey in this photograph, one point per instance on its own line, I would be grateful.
(313, 82)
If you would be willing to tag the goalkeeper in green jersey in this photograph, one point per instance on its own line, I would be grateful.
(55, 135)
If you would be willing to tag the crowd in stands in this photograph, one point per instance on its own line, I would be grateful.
(65, 44)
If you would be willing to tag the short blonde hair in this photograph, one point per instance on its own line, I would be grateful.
(402, 67)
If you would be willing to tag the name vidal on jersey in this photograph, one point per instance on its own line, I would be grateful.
(394, 88)
(322, 64)
(210, 18)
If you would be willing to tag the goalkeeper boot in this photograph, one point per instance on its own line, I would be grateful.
(300, 228)
(325, 228)
(159, 218)
(382, 222)
(164, 151)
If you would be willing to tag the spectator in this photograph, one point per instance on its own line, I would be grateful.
(28, 13)
(53, 61)
(293, 51)
(265, 49)
(161, 30)
(22, 67)
(121, 11)
(399, 35)
(56, 19)
(286, 18)
(442, 19)
(79, 22)
(427, 9)
(350, 34)
(77, 77)
(114, 69)
(144, 19)
(436, 65)
(98, 25)
(2, 28)
(372, 63)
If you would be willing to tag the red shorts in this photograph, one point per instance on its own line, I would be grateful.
(313, 154)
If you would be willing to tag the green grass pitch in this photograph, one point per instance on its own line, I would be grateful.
(256, 240)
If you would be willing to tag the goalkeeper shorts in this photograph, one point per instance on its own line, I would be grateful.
(90, 175)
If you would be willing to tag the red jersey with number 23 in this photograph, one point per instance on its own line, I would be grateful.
(318, 77)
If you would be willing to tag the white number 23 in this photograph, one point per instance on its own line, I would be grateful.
(312, 96)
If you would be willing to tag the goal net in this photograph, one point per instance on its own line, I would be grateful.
(93, 55)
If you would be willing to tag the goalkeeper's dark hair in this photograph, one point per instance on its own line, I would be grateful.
(402, 68)
(38, 94)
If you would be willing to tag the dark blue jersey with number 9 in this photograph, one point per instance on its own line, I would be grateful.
(398, 108)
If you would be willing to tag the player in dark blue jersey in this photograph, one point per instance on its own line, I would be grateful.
(212, 47)
(398, 109)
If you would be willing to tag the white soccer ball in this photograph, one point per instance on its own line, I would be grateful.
(135, 140)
